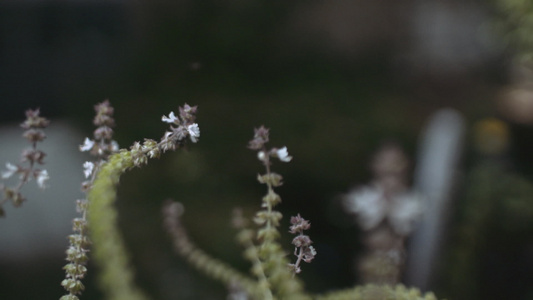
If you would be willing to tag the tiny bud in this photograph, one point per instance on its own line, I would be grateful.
(33, 120)
(104, 108)
(86, 186)
(33, 156)
(103, 132)
(301, 241)
(34, 135)
(18, 199)
(261, 156)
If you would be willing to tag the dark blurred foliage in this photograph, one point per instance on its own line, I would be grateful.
(245, 64)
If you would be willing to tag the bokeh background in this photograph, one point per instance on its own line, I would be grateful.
(333, 80)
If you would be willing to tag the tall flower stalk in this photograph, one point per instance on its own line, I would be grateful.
(274, 261)
(30, 159)
(110, 255)
(101, 147)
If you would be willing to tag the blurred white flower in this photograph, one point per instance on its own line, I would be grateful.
(87, 145)
(283, 154)
(368, 204)
(405, 210)
(261, 155)
(194, 132)
(42, 178)
(371, 207)
(88, 168)
(114, 146)
(170, 119)
(11, 169)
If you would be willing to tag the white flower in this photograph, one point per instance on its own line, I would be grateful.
(283, 154)
(309, 254)
(167, 135)
(261, 155)
(42, 178)
(11, 169)
(87, 145)
(368, 204)
(405, 211)
(88, 168)
(170, 119)
(194, 132)
(114, 146)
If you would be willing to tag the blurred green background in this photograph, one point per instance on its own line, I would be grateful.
(332, 80)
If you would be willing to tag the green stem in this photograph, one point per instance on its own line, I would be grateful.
(109, 251)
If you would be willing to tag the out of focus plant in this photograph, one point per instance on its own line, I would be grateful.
(273, 273)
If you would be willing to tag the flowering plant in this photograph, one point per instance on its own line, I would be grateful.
(34, 125)
(274, 276)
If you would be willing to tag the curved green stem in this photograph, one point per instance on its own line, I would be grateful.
(110, 255)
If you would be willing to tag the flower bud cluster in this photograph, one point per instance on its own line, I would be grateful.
(260, 138)
(101, 146)
(34, 125)
(185, 127)
(269, 251)
(258, 143)
(303, 249)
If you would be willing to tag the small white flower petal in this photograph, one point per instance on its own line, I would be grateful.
(405, 211)
(88, 168)
(283, 155)
(87, 145)
(167, 135)
(114, 146)
(194, 132)
(368, 204)
(261, 155)
(11, 169)
(42, 178)
(170, 119)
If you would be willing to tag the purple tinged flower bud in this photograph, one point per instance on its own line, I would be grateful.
(104, 114)
(33, 156)
(33, 120)
(309, 254)
(301, 241)
(104, 108)
(260, 138)
(188, 113)
(299, 224)
(103, 132)
(34, 135)
(104, 120)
